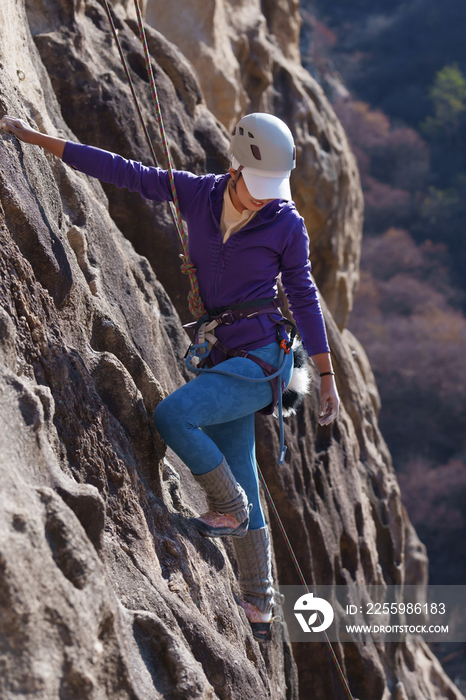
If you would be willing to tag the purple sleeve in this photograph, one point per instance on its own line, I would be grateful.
(301, 291)
(151, 183)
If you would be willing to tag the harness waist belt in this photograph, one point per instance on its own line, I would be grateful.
(256, 303)
(227, 315)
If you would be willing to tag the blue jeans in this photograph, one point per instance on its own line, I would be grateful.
(212, 417)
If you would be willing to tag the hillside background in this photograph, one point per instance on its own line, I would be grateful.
(395, 73)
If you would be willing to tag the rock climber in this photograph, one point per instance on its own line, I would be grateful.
(244, 230)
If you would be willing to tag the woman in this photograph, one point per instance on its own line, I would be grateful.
(243, 231)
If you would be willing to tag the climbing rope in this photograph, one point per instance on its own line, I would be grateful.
(303, 580)
(130, 82)
(194, 299)
(195, 304)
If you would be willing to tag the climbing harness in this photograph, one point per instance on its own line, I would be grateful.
(198, 354)
(276, 375)
(195, 303)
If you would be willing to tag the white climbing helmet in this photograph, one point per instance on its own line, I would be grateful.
(263, 145)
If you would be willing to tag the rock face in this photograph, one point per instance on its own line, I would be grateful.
(249, 61)
(105, 590)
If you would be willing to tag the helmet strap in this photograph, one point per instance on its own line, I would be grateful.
(237, 176)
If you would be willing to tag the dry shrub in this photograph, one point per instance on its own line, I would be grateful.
(435, 497)
(416, 342)
(393, 162)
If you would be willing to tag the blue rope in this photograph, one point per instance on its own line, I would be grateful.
(278, 373)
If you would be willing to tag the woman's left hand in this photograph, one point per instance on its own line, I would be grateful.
(329, 400)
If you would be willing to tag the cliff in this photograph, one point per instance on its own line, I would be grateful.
(105, 590)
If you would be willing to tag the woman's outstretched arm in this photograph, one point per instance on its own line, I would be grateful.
(151, 183)
(23, 131)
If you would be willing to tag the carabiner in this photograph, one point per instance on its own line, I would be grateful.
(198, 351)
(286, 345)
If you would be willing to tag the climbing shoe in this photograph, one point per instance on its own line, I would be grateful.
(212, 524)
(260, 623)
(228, 504)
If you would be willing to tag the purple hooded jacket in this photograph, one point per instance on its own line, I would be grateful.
(244, 268)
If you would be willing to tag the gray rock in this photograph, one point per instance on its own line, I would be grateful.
(106, 591)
